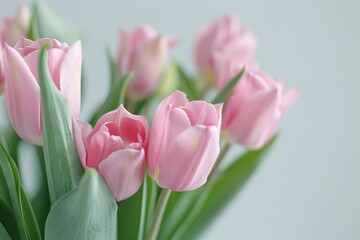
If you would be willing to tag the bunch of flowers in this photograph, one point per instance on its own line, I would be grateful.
(148, 164)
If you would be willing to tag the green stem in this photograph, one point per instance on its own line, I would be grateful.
(220, 159)
(143, 210)
(159, 213)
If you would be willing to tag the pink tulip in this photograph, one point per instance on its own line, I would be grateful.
(225, 41)
(254, 109)
(15, 28)
(144, 52)
(2, 77)
(115, 148)
(22, 91)
(184, 142)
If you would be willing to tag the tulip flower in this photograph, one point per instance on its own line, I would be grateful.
(144, 52)
(184, 142)
(22, 90)
(15, 28)
(254, 109)
(223, 42)
(115, 148)
(2, 77)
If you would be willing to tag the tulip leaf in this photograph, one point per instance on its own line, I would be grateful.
(3, 233)
(88, 212)
(225, 92)
(63, 168)
(114, 99)
(188, 85)
(46, 24)
(200, 207)
(129, 216)
(17, 203)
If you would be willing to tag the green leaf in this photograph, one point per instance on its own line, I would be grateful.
(88, 212)
(18, 203)
(129, 216)
(7, 218)
(3, 233)
(149, 194)
(62, 164)
(207, 202)
(44, 23)
(188, 85)
(114, 99)
(224, 93)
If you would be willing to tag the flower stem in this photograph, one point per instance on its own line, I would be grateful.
(220, 159)
(159, 213)
(143, 209)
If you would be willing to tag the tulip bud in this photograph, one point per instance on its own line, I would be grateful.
(144, 52)
(223, 41)
(184, 142)
(15, 28)
(254, 109)
(115, 148)
(22, 91)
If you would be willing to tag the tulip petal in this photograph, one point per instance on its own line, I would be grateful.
(289, 98)
(202, 113)
(123, 172)
(70, 77)
(118, 116)
(171, 123)
(190, 159)
(149, 67)
(22, 96)
(81, 131)
(257, 117)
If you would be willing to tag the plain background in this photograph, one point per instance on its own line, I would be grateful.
(309, 186)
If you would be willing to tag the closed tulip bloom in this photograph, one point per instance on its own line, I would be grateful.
(115, 148)
(15, 28)
(145, 53)
(222, 42)
(254, 109)
(184, 142)
(22, 90)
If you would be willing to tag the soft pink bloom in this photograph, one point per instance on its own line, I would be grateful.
(2, 77)
(144, 52)
(184, 142)
(115, 148)
(254, 109)
(22, 91)
(13, 29)
(221, 43)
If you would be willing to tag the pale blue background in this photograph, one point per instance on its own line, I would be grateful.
(309, 186)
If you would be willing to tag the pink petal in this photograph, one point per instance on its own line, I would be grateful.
(190, 159)
(167, 125)
(202, 113)
(81, 131)
(70, 77)
(22, 97)
(123, 172)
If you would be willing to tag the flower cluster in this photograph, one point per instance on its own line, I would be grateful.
(180, 147)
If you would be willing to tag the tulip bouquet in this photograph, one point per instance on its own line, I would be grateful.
(148, 163)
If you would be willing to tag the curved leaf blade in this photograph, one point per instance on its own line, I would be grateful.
(88, 212)
(224, 93)
(19, 204)
(61, 160)
(115, 97)
(3, 233)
